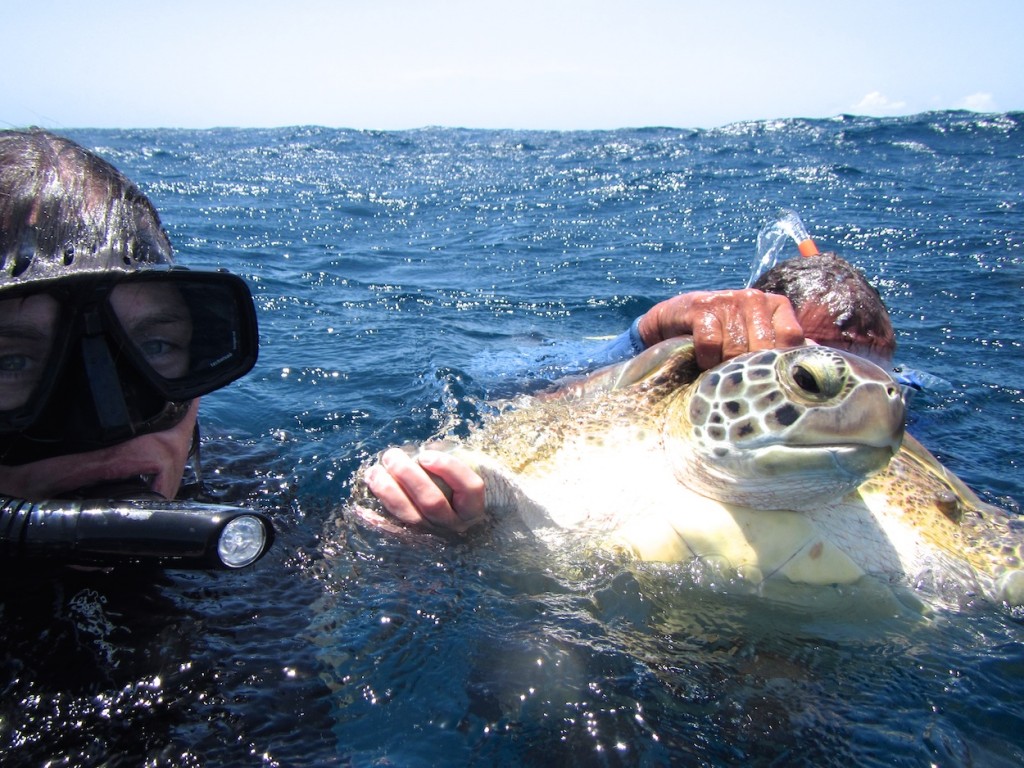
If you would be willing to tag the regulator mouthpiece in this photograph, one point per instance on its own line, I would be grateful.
(173, 534)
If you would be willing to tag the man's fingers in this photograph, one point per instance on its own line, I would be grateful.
(788, 331)
(384, 486)
(760, 326)
(466, 486)
(708, 340)
(731, 323)
(410, 493)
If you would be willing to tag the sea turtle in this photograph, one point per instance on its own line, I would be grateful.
(781, 464)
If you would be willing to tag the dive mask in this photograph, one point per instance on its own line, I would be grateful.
(89, 360)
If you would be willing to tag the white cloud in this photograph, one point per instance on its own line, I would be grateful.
(978, 102)
(876, 103)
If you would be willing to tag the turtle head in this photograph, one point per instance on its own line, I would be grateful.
(785, 429)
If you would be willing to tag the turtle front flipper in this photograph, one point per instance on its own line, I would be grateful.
(674, 358)
(955, 520)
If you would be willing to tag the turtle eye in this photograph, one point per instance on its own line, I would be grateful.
(819, 379)
(804, 378)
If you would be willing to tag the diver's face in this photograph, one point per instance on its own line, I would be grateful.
(156, 320)
(159, 458)
(818, 325)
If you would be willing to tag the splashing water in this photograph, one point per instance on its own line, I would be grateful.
(773, 237)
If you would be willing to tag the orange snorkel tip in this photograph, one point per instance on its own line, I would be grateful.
(808, 248)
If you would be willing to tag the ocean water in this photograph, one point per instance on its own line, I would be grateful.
(400, 277)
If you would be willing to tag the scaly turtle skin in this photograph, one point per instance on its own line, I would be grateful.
(782, 464)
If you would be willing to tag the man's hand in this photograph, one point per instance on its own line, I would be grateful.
(724, 323)
(411, 495)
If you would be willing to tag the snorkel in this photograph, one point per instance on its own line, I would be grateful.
(834, 283)
(773, 238)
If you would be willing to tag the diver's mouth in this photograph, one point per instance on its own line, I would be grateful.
(134, 487)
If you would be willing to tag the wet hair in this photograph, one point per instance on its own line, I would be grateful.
(830, 282)
(64, 209)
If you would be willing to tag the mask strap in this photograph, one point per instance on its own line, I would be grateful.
(195, 489)
(197, 464)
(101, 373)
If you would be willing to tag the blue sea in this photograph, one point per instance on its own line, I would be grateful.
(401, 277)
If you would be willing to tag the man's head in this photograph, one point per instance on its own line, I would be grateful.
(101, 361)
(834, 303)
(65, 210)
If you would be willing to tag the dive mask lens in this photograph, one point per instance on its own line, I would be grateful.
(188, 333)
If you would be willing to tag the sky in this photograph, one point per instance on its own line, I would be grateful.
(530, 64)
